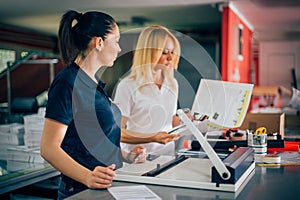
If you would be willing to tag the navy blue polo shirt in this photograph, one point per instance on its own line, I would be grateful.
(93, 133)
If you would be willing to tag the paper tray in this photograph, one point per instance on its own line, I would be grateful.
(191, 173)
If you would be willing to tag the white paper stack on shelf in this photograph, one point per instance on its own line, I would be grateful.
(33, 125)
(3, 147)
(12, 134)
(25, 154)
(13, 166)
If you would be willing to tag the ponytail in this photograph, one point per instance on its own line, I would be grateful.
(75, 39)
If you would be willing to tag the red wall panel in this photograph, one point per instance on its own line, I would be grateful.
(234, 69)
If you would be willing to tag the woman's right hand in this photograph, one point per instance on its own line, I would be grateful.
(164, 137)
(101, 177)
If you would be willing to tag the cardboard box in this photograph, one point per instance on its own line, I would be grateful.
(274, 122)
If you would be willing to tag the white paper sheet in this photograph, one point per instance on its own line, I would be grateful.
(138, 192)
(225, 103)
(141, 168)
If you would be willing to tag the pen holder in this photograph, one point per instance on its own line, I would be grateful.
(259, 143)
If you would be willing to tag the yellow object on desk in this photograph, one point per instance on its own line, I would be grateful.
(277, 164)
(260, 130)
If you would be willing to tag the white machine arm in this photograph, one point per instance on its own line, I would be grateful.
(213, 157)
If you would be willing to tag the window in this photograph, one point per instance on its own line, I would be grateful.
(5, 56)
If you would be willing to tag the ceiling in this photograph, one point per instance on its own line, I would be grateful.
(269, 19)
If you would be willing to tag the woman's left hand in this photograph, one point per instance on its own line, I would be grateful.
(137, 155)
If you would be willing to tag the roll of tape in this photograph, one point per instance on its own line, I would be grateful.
(258, 158)
(259, 150)
(270, 158)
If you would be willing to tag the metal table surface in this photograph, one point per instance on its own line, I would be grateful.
(267, 183)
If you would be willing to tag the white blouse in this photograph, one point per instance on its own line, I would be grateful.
(148, 111)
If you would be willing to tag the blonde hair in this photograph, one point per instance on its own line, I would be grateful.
(149, 48)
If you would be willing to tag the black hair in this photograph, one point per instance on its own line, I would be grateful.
(75, 39)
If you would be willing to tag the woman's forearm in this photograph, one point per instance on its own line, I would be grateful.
(132, 137)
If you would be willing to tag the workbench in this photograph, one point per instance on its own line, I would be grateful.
(267, 183)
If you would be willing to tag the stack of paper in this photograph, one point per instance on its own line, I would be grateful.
(33, 125)
(12, 134)
(25, 154)
(14, 166)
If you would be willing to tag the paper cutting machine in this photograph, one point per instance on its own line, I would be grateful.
(230, 174)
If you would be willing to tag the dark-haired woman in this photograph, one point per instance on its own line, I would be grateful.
(81, 136)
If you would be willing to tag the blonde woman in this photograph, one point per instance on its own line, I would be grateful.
(147, 97)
